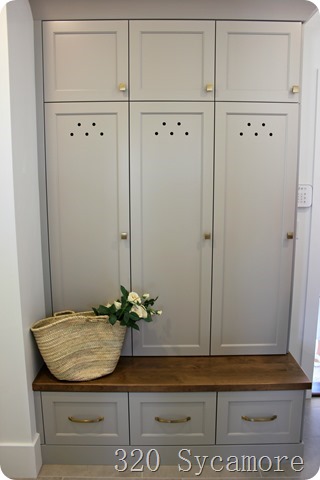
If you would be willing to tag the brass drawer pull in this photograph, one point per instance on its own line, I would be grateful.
(169, 420)
(86, 420)
(259, 419)
(290, 235)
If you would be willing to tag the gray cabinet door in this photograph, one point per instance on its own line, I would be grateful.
(258, 61)
(254, 223)
(85, 60)
(172, 60)
(171, 211)
(178, 418)
(73, 418)
(88, 202)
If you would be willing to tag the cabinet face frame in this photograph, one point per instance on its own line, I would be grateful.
(77, 58)
(171, 204)
(172, 44)
(251, 224)
(258, 61)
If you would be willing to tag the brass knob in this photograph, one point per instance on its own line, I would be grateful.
(209, 87)
(290, 235)
(295, 89)
(122, 87)
(207, 236)
(124, 236)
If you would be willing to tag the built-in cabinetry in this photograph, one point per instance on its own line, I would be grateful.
(171, 403)
(208, 208)
(171, 166)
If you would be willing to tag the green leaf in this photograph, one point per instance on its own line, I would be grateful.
(133, 325)
(112, 319)
(124, 292)
(102, 310)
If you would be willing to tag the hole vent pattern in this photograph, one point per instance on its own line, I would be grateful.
(249, 132)
(170, 133)
(86, 132)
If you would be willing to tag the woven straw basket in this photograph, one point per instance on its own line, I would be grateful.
(79, 346)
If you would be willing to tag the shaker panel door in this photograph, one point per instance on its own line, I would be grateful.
(88, 202)
(171, 210)
(255, 196)
(85, 60)
(172, 60)
(258, 61)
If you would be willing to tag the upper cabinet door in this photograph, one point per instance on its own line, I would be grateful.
(258, 61)
(85, 60)
(88, 202)
(172, 60)
(171, 223)
(254, 222)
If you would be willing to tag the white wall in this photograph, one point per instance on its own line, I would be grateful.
(21, 282)
(310, 155)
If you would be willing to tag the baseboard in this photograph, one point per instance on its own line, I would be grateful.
(21, 460)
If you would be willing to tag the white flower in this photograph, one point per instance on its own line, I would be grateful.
(139, 310)
(159, 312)
(133, 297)
(145, 296)
(117, 305)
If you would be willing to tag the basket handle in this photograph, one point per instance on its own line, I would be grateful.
(63, 312)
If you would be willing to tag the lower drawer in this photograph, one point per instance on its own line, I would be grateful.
(172, 418)
(85, 418)
(259, 417)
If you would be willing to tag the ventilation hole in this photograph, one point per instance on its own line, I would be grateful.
(249, 124)
(71, 134)
(93, 124)
(241, 134)
(101, 133)
(79, 124)
(256, 134)
(86, 134)
(156, 133)
(270, 134)
(164, 124)
(186, 133)
(263, 124)
(171, 133)
(179, 123)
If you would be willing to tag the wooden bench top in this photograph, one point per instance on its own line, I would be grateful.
(189, 374)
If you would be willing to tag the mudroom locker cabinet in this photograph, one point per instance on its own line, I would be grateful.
(171, 157)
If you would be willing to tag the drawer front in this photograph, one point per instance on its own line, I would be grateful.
(85, 418)
(259, 417)
(172, 418)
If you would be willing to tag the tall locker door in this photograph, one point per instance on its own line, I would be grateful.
(85, 60)
(255, 189)
(258, 61)
(88, 204)
(172, 60)
(171, 210)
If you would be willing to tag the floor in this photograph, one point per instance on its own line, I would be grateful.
(311, 462)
